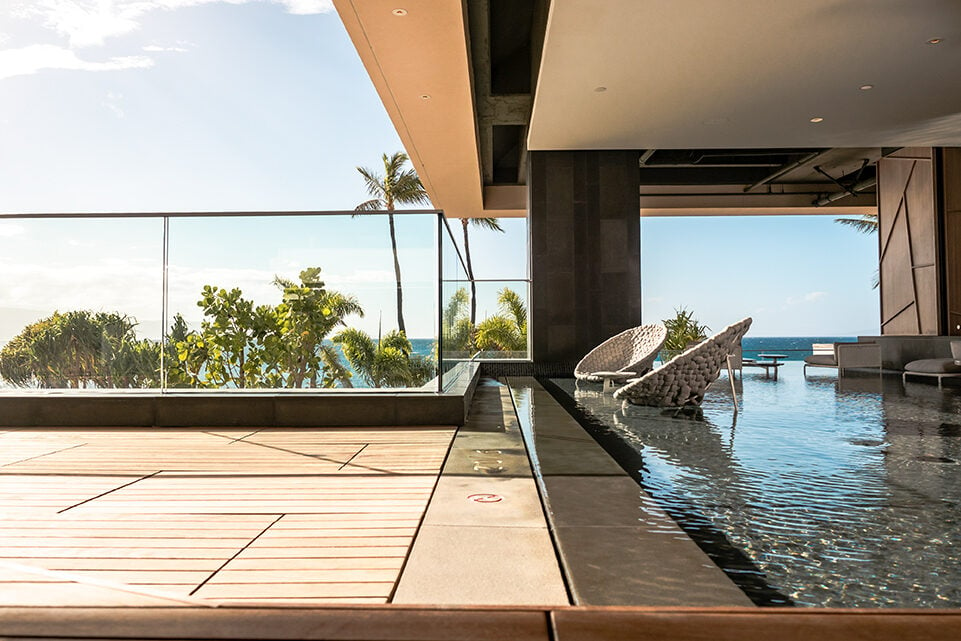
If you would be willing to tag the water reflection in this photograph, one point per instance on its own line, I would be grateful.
(843, 493)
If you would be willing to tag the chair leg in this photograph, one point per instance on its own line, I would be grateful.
(730, 377)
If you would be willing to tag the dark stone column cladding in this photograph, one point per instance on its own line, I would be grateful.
(585, 251)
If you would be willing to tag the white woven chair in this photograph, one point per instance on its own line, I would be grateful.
(684, 379)
(633, 350)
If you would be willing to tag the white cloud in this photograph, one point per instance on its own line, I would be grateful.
(810, 297)
(158, 48)
(307, 7)
(34, 58)
(8, 229)
(88, 23)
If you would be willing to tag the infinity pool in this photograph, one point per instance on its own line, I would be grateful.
(817, 493)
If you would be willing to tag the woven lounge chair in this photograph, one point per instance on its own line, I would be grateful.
(632, 351)
(684, 379)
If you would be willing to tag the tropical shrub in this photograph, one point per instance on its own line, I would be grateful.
(682, 331)
(283, 346)
(81, 349)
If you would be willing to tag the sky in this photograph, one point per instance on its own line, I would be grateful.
(264, 105)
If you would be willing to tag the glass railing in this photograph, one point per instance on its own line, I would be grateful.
(480, 319)
(292, 301)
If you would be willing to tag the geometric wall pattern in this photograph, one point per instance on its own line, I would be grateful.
(908, 235)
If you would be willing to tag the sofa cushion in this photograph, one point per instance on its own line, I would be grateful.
(934, 366)
(821, 359)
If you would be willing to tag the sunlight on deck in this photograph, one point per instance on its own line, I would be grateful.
(164, 516)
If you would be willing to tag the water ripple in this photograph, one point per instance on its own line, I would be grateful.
(842, 494)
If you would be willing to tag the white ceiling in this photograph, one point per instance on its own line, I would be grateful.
(748, 73)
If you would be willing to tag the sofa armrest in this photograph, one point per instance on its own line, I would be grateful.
(858, 354)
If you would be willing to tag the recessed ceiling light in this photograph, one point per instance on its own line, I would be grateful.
(934, 41)
(600, 89)
(866, 87)
(399, 12)
(817, 119)
(425, 96)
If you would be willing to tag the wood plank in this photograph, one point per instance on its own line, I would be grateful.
(308, 624)
(161, 511)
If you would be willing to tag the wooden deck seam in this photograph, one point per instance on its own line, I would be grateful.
(356, 454)
(102, 494)
(30, 458)
(236, 554)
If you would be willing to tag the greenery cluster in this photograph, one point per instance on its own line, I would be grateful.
(682, 331)
(238, 345)
(80, 349)
(502, 332)
(275, 346)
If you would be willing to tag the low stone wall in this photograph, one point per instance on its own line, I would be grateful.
(342, 408)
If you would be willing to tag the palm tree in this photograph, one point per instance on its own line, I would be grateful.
(386, 362)
(396, 186)
(866, 224)
(506, 331)
(486, 223)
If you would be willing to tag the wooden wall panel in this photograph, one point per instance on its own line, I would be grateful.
(908, 226)
(951, 182)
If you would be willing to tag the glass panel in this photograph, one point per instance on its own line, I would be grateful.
(287, 301)
(455, 310)
(80, 303)
(502, 313)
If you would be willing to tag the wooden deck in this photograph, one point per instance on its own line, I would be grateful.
(160, 517)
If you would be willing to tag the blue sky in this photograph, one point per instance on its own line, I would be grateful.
(206, 105)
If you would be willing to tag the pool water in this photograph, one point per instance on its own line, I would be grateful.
(840, 494)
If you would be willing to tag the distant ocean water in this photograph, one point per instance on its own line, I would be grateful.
(794, 347)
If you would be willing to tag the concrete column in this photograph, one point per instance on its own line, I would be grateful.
(585, 252)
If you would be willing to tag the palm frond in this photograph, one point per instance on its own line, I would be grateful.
(499, 333)
(283, 283)
(491, 224)
(511, 303)
(371, 205)
(393, 164)
(866, 224)
(334, 369)
(397, 340)
(407, 189)
(373, 182)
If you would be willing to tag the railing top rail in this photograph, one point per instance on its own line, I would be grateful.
(214, 214)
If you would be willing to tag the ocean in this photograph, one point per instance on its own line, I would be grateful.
(794, 347)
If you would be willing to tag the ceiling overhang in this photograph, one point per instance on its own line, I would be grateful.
(420, 66)
(689, 74)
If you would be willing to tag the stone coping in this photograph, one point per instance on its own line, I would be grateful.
(240, 408)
